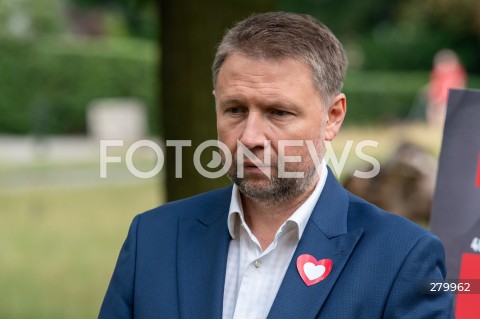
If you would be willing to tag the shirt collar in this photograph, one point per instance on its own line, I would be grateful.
(299, 218)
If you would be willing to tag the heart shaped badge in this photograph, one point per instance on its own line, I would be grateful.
(312, 270)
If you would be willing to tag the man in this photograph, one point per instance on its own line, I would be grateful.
(286, 241)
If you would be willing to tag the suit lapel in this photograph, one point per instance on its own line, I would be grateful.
(297, 300)
(325, 236)
(202, 257)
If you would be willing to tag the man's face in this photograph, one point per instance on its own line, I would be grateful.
(267, 99)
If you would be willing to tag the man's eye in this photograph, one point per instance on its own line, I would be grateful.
(280, 113)
(235, 110)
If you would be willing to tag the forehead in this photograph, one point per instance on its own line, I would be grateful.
(239, 70)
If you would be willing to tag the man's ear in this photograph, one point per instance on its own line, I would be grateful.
(335, 115)
(213, 92)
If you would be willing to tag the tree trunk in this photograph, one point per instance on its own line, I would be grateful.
(190, 32)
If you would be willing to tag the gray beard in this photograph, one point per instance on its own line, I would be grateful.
(278, 190)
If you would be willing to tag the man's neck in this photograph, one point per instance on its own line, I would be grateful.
(264, 219)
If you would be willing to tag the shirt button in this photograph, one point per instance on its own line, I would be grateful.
(257, 263)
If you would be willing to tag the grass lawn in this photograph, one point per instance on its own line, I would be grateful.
(58, 246)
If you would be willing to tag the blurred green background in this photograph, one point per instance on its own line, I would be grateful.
(61, 225)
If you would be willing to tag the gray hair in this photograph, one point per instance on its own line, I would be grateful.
(277, 35)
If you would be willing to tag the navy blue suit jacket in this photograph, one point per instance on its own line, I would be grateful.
(173, 263)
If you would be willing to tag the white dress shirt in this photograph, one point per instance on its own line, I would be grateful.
(253, 276)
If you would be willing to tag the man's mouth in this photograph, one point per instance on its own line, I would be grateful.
(251, 164)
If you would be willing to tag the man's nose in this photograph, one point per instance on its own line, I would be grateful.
(253, 134)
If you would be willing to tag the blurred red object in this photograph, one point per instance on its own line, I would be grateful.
(447, 73)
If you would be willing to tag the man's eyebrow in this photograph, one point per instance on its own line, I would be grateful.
(280, 104)
(229, 101)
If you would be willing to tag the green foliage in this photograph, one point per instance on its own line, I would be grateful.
(139, 17)
(29, 18)
(399, 34)
(375, 97)
(46, 86)
(379, 97)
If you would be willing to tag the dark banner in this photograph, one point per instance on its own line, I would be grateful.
(456, 207)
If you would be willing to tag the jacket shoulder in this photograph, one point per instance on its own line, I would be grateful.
(378, 221)
(202, 206)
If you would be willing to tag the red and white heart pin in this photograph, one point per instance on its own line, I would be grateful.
(312, 270)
